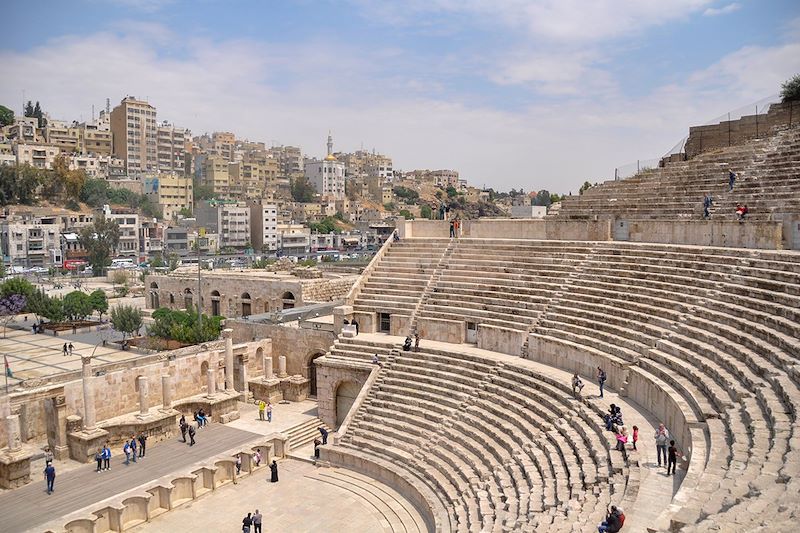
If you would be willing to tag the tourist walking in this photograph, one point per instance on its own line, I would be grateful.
(70, 347)
(246, 523)
(142, 443)
(707, 202)
(635, 436)
(324, 433)
(416, 341)
(48, 455)
(452, 229)
(191, 435)
(257, 457)
(731, 179)
(106, 457)
(133, 448)
(662, 438)
(183, 429)
(269, 412)
(257, 522)
(317, 444)
(127, 449)
(601, 379)
(65, 349)
(261, 407)
(672, 457)
(238, 463)
(50, 477)
(273, 468)
(98, 457)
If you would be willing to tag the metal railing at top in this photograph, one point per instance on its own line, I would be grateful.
(678, 151)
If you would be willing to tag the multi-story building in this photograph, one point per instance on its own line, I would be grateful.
(264, 226)
(151, 237)
(37, 155)
(60, 134)
(290, 160)
(24, 130)
(172, 192)
(216, 175)
(129, 227)
(30, 243)
(326, 175)
(7, 156)
(176, 241)
(171, 148)
(293, 239)
(445, 178)
(230, 219)
(134, 133)
(252, 177)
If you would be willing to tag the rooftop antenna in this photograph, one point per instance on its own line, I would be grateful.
(108, 106)
(92, 112)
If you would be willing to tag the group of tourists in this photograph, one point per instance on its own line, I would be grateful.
(455, 228)
(67, 349)
(188, 429)
(254, 520)
(741, 209)
(264, 408)
(132, 448)
(408, 341)
(669, 452)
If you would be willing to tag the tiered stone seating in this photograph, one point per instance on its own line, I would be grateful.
(767, 183)
(397, 283)
(504, 448)
(708, 335)
(500, 283)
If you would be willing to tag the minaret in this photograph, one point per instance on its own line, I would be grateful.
(330, 144)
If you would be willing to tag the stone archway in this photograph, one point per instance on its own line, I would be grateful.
(215, 297)
(288, 300)
(188, 299)
(246, 304)
(311, 371)
(346, 394)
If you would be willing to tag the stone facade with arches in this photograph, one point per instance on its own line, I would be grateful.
(240, 294)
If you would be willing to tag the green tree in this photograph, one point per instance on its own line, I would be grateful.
(28, 112)
(53, 309)
(185, 212)
(409, 195)
(19, 183)
(426, 212)
(2, 268)
(157, 261)
(126, 319)
(790, 89)
(543, 198)
(99, 301)
(586, 186)
(451, 192)
(302, 190)
(77, 305)
(99, 240)
(389, 206)
(17, 286)
(6, 116)
(325, 226)
(182, 326)
(203, 192)
(406, 214)
(94, 192)
(39, 114)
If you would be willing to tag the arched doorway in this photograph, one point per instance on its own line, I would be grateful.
(311, 372)
(346, 394)
(154, 295)
(260, 360)
(187, 299)
(288, 300)
(215, 303)
(245, 304)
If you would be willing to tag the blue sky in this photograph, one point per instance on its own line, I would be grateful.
(534, 94)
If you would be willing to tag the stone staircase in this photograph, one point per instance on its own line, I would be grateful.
(305, 433)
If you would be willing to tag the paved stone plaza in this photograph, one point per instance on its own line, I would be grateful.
(41, 355)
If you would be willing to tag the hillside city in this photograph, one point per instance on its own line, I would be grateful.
(173, 194)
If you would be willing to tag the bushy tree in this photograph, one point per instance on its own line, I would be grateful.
(790, 90)
(325, 226)
(99, 301)
(203, 192)
(406, 214)
(302, 190)
(182, 326)
(451, 191)
(126, 319)
(425, 211)
(586, 186)
(77, 305)
(6, 116)
(19, 183)
(10, 306)
(409, 195)
(99, 240)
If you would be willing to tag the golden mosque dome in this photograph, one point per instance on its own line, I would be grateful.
(330, 157)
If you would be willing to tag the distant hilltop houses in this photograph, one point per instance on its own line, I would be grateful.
(172, 192)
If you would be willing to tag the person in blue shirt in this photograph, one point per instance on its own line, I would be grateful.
(50, 477)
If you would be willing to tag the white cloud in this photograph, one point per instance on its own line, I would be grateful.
(724, 10)
(295, 94)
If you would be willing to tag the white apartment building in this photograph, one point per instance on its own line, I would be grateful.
(129, 227)
(293, 239)
(134, 132)
(171, 148)
(327, 175)
(39, 156)
(264, 226)
(29, 244)
(229, 219)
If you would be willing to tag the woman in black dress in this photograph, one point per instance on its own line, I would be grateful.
(274, 469)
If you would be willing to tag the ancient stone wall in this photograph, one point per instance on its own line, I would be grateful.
(327, 290)
(730, 133)
(299, 345)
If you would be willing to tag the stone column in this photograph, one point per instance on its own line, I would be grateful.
(143, 406)
(282, 366)
(89, 413)
(59, 445)
(166, 392)
(243, 370)
(228, 336)
(13, 431)
(268, 374)
(211, 377)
